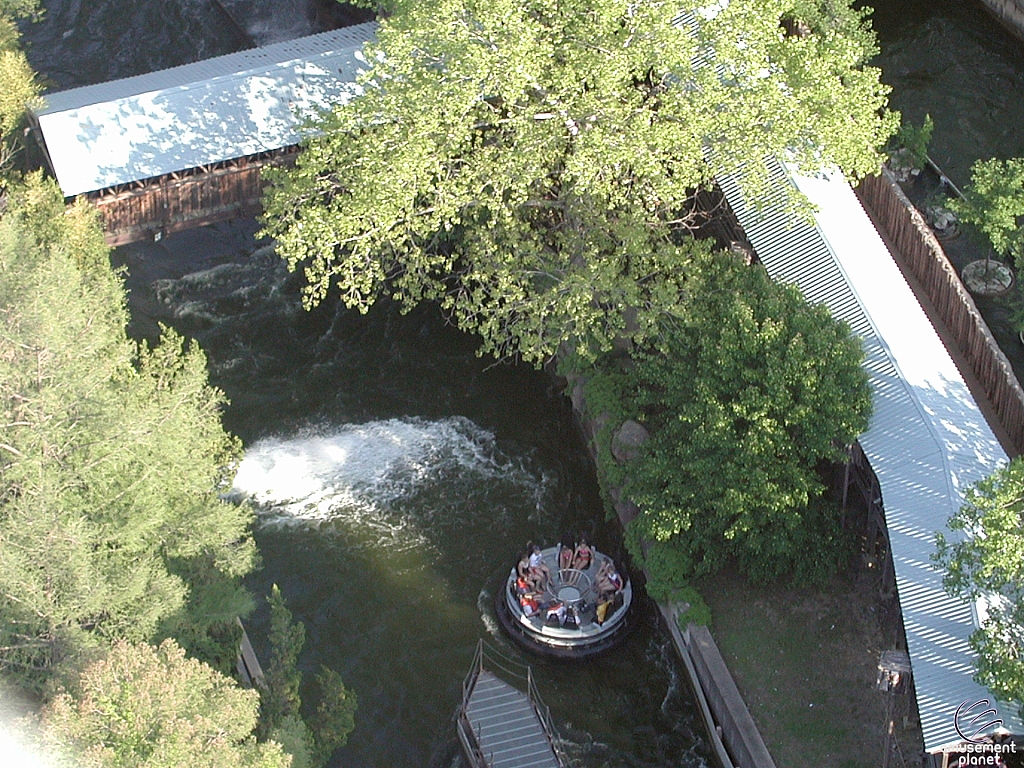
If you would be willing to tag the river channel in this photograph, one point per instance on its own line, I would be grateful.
(395, 473)
(952, 59)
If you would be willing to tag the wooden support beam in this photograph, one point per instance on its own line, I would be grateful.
(152, 208)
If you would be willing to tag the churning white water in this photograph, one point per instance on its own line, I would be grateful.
(395, 476)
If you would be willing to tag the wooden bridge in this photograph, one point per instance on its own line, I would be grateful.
(184, 147)
(500, 726)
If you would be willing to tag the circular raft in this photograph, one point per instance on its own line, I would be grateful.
(589, 623)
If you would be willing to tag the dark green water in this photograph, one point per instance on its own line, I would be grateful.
(396, 472)
(953, 60)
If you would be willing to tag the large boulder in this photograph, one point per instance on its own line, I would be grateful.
(627, 440)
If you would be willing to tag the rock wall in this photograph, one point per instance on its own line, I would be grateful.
(1010, 12)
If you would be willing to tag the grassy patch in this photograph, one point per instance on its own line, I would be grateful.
(805, 662)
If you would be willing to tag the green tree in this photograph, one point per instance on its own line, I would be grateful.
(335, 715)
(532, 165)
(984, 559)
(745, 394)
(111, 456)
(283, 677)
(146, 707)
(994, 203)
(19, 88)
(281, 703)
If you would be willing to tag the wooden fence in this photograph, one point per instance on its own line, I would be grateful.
(152, 208)
(921, 251)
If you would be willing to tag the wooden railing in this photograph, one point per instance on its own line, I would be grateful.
(910, 234)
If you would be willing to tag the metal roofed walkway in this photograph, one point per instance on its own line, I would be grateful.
(110, 134)
(502, 727)
(927, 440)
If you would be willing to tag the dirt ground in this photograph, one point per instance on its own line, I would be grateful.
(806, 663)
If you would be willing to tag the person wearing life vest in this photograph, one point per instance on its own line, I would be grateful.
(528, 602)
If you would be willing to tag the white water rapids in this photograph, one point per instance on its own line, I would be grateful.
(396, 477)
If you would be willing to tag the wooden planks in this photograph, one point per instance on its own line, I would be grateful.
(156, 207)
(506, 726)
(909, 232)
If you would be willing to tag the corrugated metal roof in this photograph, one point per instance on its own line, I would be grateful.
(113, 133)
(927, 440)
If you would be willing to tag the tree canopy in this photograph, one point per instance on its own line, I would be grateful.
(745, 394)
(150, 707)
(310, 740)
(532, 165)
(19, 87)
(111, 456)
(994, 203)
(985, 560)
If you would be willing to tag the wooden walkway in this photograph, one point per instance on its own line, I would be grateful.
(502, 727)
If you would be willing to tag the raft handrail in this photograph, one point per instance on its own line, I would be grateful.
(472, 737)
(505, 663)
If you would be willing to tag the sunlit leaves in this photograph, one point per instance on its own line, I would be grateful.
(994, 203)
(145, 707)
(984, 559)
(111, 457)
(749, 390)
(526, 164)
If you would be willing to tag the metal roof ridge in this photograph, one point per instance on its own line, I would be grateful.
(940, 444)
(363, 33)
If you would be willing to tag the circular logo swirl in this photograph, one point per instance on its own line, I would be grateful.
(972, 722)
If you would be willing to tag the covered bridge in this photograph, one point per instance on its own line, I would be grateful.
(182, 147)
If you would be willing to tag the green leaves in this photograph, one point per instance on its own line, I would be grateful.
(985, 560)
(745, 394)
(531, 165)
(19, 88)
(152, 707)
(994, 203)
(281, 719)
(110, 522)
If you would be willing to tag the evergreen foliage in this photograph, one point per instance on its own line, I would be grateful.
(531, 165)
(281, 718)
(282, 674)
(19, 88)
(111, 455)
(744, 395)
(141, 706)
(984, 559)
(335, 715)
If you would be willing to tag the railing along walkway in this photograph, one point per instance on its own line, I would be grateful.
(502, 727)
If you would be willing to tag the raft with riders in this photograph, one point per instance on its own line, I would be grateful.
(567, 601)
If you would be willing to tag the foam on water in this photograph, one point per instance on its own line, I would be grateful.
(372, 474)
(484, 604)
